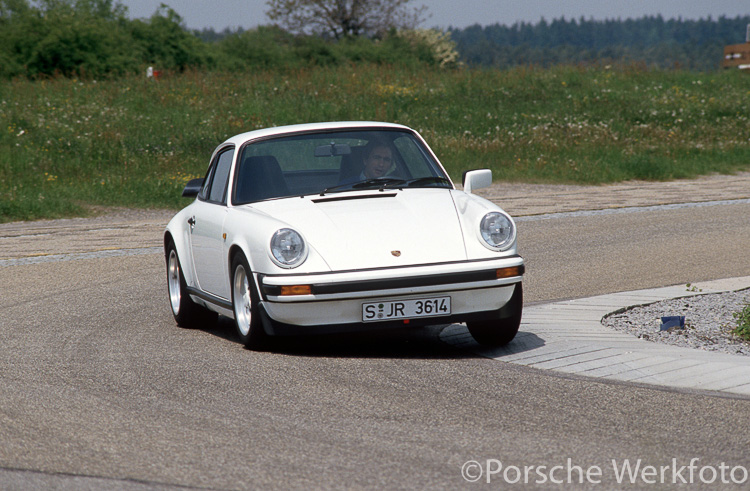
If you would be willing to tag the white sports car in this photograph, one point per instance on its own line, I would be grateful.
(334, 227)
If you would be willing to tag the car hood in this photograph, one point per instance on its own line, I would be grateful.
(374, 229)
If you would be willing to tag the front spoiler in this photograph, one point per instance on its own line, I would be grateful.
(367, 283)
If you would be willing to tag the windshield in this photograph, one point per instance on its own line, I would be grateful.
(331, 162)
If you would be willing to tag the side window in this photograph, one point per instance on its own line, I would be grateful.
(215, 185)
(414, 158)
(206, 182)
(218, 190)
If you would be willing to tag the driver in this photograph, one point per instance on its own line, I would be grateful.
(378, 159)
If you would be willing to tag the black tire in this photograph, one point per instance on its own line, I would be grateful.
(500, 331)
(186, 313)
(245, 303)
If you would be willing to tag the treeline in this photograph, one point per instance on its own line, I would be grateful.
(96, 39)
(651, 41)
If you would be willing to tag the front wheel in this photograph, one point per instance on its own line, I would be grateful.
(500, 331)
(245, 304)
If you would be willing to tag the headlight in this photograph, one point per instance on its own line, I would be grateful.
(497, 231)
(288, 248)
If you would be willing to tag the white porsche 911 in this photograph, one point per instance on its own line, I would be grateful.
(334, 227)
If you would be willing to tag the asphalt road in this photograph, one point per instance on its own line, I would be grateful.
(100, 390)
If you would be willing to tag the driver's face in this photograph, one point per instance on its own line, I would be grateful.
(378, 163)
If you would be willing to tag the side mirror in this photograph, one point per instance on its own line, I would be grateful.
(477, 179)
(192, 188)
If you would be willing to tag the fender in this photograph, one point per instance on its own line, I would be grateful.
(177, 229)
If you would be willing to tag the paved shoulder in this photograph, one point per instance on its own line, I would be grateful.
(569, 337)
(535, 199)
(117, 230)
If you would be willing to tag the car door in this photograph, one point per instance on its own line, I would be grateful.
(207, 226)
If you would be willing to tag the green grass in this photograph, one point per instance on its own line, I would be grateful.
(68, 144)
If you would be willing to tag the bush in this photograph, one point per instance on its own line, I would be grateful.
(438, 45)
(743, 323)
(271, 47)
(266, 47)
(70, 38)
(91, 39)
(163, 42)
(81, 47)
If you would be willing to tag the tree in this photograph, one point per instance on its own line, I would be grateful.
(343, 18)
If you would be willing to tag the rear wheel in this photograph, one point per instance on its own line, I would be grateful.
(500, 331)
(186, 312)
(245, 301)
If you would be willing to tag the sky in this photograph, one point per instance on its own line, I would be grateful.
(247, 14)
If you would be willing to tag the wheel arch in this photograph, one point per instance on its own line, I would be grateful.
(234, 250)
(183, 255)
(168, 239)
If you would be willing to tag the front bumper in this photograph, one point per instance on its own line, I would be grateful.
(478, 289)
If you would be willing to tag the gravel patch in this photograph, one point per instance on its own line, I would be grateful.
(709, 322)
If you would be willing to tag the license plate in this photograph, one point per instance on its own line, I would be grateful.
(406, 309)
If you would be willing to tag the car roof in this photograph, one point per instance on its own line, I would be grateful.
(298, 128)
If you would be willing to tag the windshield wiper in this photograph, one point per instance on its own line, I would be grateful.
(348, 185)
(381, 182)
(385, 183)
(427, 180)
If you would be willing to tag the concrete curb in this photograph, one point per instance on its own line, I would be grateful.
(569, 337)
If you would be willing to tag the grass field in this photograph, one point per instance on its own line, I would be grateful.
(68, 144)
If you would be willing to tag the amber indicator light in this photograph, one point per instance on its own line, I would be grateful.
(296, 290)
(509, 272)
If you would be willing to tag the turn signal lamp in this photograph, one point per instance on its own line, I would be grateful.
(509, 272)
(296, 290)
